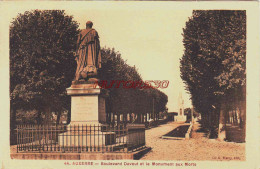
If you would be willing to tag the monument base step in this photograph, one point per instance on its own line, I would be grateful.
(82, 156)
(85, 138)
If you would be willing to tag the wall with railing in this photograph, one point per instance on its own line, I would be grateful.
(80, 138)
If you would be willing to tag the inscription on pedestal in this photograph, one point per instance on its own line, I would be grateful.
(84, 108)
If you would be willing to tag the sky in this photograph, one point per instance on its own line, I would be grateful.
(149, 37)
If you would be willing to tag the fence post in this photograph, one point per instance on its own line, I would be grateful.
(98, 138)
(17, 138)
(127, 139)
(40, 138)
(86, 137)
(70, 138)
(102, 147)
(63, 148)
(94, 137)
(90, 138)
(82, 135)
(78, 136)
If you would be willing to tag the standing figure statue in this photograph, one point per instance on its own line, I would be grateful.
(88, 54)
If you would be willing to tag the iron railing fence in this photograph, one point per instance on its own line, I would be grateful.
(80, 138)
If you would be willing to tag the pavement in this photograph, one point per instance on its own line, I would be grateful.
(199, 147)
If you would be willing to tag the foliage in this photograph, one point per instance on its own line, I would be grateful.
(42, 64)
(131, 100)
(213, 64)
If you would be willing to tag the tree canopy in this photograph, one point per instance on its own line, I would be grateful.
(42, 64)
(132, 100)
(213, 65)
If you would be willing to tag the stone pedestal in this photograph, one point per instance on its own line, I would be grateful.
(88, 109)
(87, 104)
(180, 118)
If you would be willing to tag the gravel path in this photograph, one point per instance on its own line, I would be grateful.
(196, 148)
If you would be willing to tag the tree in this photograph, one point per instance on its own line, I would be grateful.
(133, 100)
(42, 64)
(213, 64)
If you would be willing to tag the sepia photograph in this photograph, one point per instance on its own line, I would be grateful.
(130, 85)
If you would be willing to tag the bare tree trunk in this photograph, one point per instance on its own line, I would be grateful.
(233, 117)
(118, 118)
(69, 116)
(58, 118)
(131, 118)
(39, 118)
(47, 119)
(228, 116)
(113, 122)
(236, 121)
(138, 118)
(13, 127)
(222, 123)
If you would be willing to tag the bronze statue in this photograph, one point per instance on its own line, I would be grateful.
(88, 54)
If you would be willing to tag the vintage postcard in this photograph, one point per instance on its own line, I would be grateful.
(130, 84)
